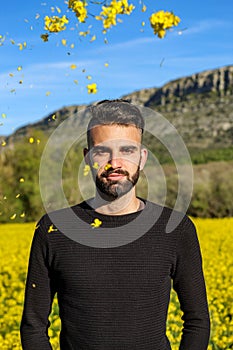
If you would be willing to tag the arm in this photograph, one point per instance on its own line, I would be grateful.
(39, 294)
(188, 282)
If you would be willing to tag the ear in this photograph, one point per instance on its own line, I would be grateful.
(86, 156)
(144, 155)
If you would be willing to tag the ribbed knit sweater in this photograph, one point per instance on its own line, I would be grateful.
(115, 298)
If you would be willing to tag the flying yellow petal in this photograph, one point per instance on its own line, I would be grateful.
(73, 66)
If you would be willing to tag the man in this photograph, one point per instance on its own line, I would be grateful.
(115, 298)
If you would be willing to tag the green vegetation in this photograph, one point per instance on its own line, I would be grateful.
(202, 156)
(20, 200)
(197, 106)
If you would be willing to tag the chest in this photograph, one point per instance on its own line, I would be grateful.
(140, 267)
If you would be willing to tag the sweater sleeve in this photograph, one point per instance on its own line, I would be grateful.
(39, 293)
(189, 284)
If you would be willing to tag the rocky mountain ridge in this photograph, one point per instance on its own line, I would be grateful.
(200, 106)
(219, 81)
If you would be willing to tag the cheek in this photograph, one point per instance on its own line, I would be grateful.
(132, 163)
(101, 169)
(98, 163)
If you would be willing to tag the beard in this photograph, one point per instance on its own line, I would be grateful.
(116, 189)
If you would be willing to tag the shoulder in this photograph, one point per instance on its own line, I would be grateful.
(52, 221)
(167, 212)
(173, 219)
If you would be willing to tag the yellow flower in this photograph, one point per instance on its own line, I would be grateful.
(109, 13)
(144, 8)
(95, 165)
(161, 33)
(93, 38)
(64, 42)
(79, 7)
(31, 140)
(92, 88)
(107, 166)
(96, 223)
(21, 46)
(161, 21)
(13, 216)
(51, 229)
(45, 37)
(55, 24)
(73, 66)
(84, 33)
(2, 39)
(86, 170)
(216, 243)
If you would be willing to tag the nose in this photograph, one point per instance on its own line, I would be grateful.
(115, 161)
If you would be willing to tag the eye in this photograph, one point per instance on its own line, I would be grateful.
(100, 152)
(128, 150)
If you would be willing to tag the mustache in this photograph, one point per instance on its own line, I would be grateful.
(108, 172)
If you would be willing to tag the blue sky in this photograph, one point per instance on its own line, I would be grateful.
(136, 59)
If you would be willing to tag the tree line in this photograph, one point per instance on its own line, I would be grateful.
(20, 198)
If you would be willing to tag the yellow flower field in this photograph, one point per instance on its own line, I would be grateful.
(216, 239)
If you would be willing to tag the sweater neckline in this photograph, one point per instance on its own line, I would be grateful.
(88, 211)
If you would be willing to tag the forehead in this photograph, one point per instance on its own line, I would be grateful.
(111, 134)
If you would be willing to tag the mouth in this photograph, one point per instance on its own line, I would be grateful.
(115, 176)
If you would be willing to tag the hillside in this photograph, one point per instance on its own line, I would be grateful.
(199, 106)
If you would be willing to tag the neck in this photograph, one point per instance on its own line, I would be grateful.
(126, 204)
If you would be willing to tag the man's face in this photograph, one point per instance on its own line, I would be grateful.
(116, 149)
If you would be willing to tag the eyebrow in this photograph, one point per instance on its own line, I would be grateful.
(100, 148)
(108, 149)
(131, 147)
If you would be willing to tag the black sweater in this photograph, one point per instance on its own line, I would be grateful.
(115, 298)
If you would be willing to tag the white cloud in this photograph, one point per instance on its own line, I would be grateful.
(205, 25)
(127, 44)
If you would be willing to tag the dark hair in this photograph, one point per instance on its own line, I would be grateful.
(110, 112)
